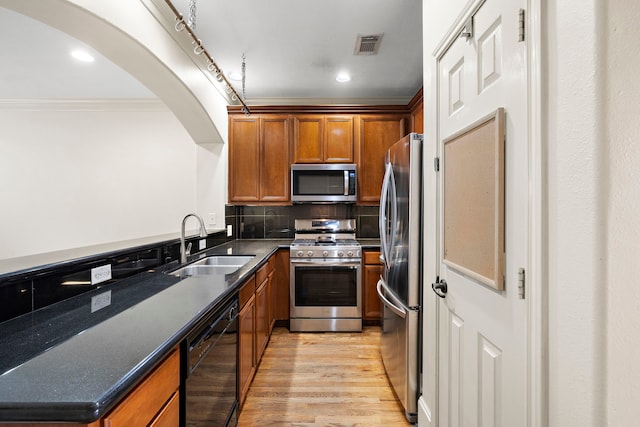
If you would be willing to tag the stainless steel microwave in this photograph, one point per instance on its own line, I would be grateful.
(323, 183)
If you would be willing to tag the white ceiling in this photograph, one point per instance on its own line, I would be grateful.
(294, 50)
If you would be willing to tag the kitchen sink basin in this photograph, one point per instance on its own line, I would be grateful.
(225, 260)
(204, 270)
(213, 265)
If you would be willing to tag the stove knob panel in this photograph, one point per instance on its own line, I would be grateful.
(340, 253)
(310, 253)
(300, 253)
(325, 253)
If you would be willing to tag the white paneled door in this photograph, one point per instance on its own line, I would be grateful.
(482, 329)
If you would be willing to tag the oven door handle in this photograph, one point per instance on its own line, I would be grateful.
(314, 263)
(399, 311)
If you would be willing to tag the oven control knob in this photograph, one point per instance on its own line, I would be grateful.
(325, 253)
(300, 253)
(310, 253)
(350, 254)
(340, 253)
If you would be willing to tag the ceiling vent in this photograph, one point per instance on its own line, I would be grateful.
(368, 45)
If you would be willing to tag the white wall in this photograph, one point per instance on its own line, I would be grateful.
(155, 172)
(576, 214)
(79, 174)
(623, 243)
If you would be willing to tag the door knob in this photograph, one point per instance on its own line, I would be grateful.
(440, 288)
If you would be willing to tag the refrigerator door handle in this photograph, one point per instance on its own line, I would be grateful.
(399, 311)
(387, 219)
(383, 216)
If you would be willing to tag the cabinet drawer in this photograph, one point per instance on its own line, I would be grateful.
(371, 257)
(148, 398)
(247, 291)
(170, 414)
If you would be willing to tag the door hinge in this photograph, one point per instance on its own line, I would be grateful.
(436, 164)
(521, 283)
(467, 31)
(521, 25)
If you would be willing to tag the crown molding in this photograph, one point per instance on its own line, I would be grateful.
(148, 105)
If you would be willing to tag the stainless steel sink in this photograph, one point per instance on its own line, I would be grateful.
(214, 265)
(225, 260)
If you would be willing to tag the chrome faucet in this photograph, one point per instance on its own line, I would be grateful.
(203, 233)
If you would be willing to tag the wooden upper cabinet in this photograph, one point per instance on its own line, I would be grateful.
(259, 159)
(417, 112)
(376, 133)
(244, 159)
(322, 138)
(417, 119)
(308, 133)
(338, 141)
(274, 164)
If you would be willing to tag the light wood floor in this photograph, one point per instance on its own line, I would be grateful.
(322, 379)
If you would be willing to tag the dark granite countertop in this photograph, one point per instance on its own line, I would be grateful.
(64, 363)
(369, 243)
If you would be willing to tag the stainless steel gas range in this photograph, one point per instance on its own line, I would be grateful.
(326, 276)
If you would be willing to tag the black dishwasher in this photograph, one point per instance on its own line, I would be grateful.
(209, 373)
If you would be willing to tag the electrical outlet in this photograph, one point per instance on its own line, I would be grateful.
(100, 301)
(229, 230)
(100, 274)
(213, 218)
(202, 244)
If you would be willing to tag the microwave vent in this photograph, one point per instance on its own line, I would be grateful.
(368, 45)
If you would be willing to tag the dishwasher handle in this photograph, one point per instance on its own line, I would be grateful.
(399, 311)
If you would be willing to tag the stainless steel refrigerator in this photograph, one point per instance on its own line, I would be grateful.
(399, 287)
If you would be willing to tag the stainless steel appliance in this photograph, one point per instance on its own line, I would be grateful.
(209, 378)
(399, 288)
(326, 276)
(323, 183)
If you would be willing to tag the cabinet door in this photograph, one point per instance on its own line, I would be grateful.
(376, 133)
(244, 159)
(274, 159)
(308, 135)
(262, 320)
(246, 352)
(371, 309)
(150, 397)
(417, 119)
(338, 141)
(281, 285)
(271, 295)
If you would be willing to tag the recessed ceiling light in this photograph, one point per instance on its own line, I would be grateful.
(83, 56)
(233, 75)
(343, 77)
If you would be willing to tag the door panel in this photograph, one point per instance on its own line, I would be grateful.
(274, 163)
(482, 332)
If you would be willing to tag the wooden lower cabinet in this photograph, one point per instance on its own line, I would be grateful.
(169, 414)
(262, 319)
(254, 324)
(246, 347)
(371, 306)
(148, 402)
(281, 288)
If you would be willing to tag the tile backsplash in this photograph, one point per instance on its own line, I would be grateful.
(277, 222)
